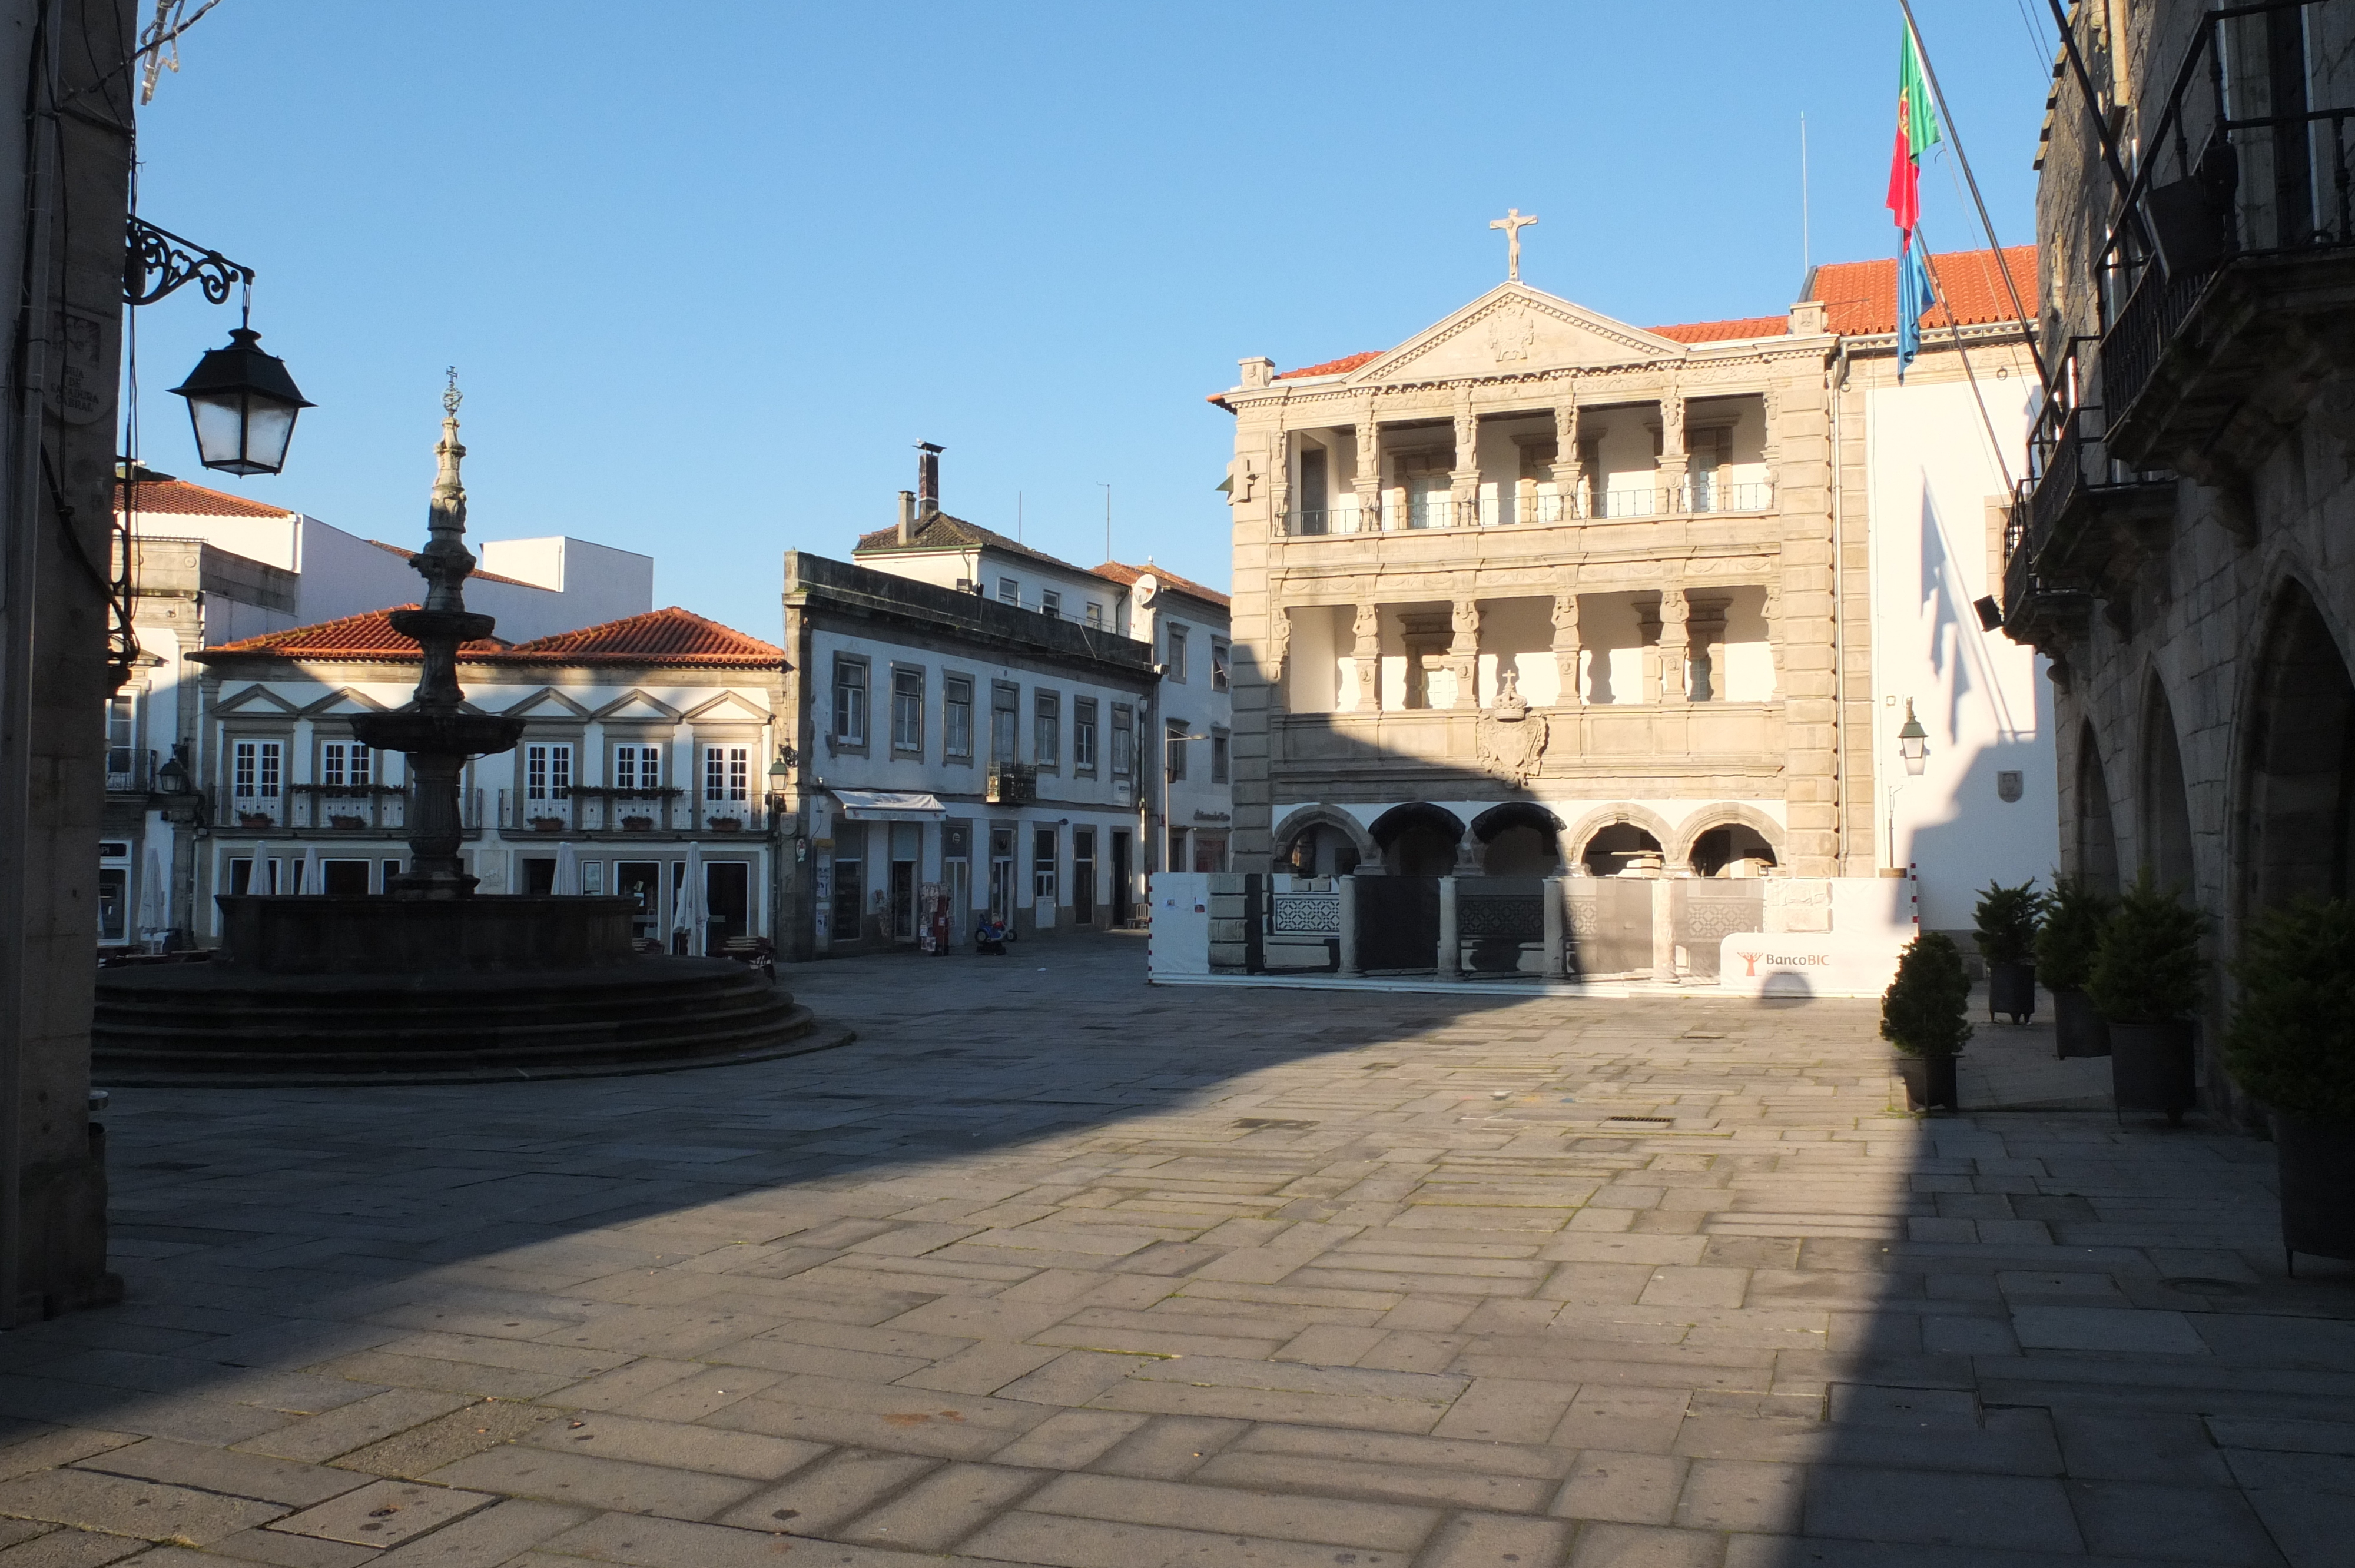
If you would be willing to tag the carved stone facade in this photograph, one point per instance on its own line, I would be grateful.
(1536, 554)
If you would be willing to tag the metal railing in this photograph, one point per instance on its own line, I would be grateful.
(1701, 497)
(2241, 163)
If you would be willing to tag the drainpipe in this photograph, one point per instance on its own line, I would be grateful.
(1836, 382)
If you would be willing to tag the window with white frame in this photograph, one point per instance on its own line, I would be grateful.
(1047, 730)
(548, 770)
(1050, 602)
(726, 772)
(638, 768)
(1174, 665)
(1123, 740)
(1095, 613)
(257, 769)
(1083, 735)
(849, 701)
(1042, 865)
(1219, 661)
(956, 717)
(1009, 591)
(907, 710)
(347, 765)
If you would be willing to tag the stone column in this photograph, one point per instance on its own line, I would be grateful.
(1464, 479)
(1368, 481)
(1670, 478)
(1279, 481)
(1569, 469)
(1366, 659)
(1346, 886)
(1565, 650)
(1664, 929)
(1464, 653)
(1647, 628)
(1674, 643)
(1279, 650)
(1554, 912)
(1705, 637)
(1451, 949)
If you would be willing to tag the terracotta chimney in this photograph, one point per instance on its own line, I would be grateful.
(907, 518)
(928, 478)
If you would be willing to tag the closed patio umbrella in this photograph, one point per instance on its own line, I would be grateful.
(687, 910)
(261, 881)
(155, 917)
(568, 870)
(310, 883)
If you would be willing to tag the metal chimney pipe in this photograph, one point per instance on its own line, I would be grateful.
(928, 478)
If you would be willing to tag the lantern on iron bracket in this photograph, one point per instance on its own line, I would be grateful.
(242, 404)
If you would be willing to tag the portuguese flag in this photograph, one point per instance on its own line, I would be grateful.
(1917, 133)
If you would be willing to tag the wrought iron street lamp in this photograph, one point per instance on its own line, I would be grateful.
(241, 402)
(1913, 742)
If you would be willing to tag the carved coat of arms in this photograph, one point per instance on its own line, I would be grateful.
(1510, 333)
(1512, 739)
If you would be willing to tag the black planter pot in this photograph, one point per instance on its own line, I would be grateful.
(2151, 1067)
(2011, 987)
(2078, 1027)
(2318, 1187)
(1929, 1080)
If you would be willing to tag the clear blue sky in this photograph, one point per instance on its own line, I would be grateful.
(708, 270)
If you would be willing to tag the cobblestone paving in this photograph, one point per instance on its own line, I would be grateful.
(1052, 1268)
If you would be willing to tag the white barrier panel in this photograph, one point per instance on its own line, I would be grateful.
(1807, 963)
(1180, 940)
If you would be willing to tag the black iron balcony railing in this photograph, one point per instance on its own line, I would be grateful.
(2242, 162)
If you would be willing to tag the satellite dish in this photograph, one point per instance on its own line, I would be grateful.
(1145, 587)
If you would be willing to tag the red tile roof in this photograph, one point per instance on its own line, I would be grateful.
(367, 637)
(1725, 332)
(942, 531)
(163, 494)
(672, 636)
(1860, 297)
(1126, 575)
(1340, 367)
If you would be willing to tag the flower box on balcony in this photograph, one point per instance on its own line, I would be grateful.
(347, 824)
(256, 819)
(638, 824)
(547, 824)
(726, 824)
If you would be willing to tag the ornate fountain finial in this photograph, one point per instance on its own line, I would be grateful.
(446, 562)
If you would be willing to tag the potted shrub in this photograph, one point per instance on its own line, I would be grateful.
(1922, 1013)
(2292, 1045)
(2146, 980)
(547, 824)
(255, 819)
(2006, 921)
(2073, 918)
(638, 824)
(726, 824)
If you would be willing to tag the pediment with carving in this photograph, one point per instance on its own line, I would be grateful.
(1515, 330)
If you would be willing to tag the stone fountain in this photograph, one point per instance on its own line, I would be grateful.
(434, 982)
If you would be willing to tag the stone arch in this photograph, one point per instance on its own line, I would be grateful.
(1417, 839)
(1519, 838)
(1620, 813)
(2098, 838)
(2163, 803)
(1727, 814)
(2296, 778)
(1307, 818)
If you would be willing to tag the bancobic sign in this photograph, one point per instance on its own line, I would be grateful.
(1808, 963)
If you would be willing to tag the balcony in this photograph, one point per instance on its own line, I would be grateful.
(1011, 784)
(2237, 250)
(1601, 745)
(1700, 498)
(2073, 527)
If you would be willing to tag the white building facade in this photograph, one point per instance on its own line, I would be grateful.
(643, 770)
(953, 756)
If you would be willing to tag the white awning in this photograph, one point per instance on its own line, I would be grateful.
(889, 805)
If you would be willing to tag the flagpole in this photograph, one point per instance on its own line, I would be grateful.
(1955, 134)
(1954, 325)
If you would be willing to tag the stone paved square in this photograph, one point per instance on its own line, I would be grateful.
(1053, 1268)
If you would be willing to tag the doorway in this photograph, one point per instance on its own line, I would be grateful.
(1124, 905)
(1083, 876)
(539, 876)
(907, 845)
(727, 902)
(1001, 874)
(640, 880)
(343, 877)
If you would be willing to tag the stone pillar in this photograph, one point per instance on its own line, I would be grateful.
(1279, 481)
(1555, 948)
(1647, 628)
(1569, 469)
(1451, 949)
(1705, 639)
(1368, 481)
(1366, 659)
(1565, 650)
(1464, 479)
(1279, 650)
(1347, 888)
(1671, 474)
(1674, 643)
(1664, 930)
(1464, 653)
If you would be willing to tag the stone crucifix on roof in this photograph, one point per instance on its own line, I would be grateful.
(1512, 223)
